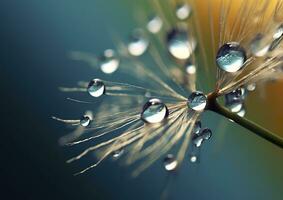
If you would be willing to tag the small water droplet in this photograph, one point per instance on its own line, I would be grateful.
(183, 11)
(197, 101)
(235, 105)
(96, 88)
(109, 62)
(204, 135)
(197, 127)
(155, 24)
(154, 111)
(190, 68)
(180, 44)
(118, 153)
(85, 120)
(238, 94)
(138, 43)
(278, 33)
(251, 87)
(231, 57)
(170, 163)
(193, 159)
(259, 45)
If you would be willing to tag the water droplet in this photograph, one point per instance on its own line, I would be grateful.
(85, 120)
(238, 94)
(197, 127)
(180, 44)
(190, 68)
(278, 33)
(251, 87)
(183, 11)
(155, 24)
(197, 101)
(231, 57)
(170, 163)
(154, 111)
(109, 62)
(118, 153)
(234, 106)
(259, 45)
(96, 88)
(277, 38)
(242, 112)
(204, 135)
(138, 43)
(193, 159)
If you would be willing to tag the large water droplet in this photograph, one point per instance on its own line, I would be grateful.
(231, 57)
(204, 135)
(197, 101)
(155, 24)
(96, 88)
(183, 11)
(85, 120)
(170, 163)
(238, 94)
(138, 43)
(109, 62)
(180, 44)
(154, 111)
(259, 45)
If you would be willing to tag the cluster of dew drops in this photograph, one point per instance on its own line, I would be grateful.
(230, 58)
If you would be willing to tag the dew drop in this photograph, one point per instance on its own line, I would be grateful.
(197, 127)
(155, 24)
(238, 94)
(197, 101)
(193, 159)
(242, 112)
(183, 11)
(278, 33)
(231, 57)
(85, 120)
(180, 44)
(204, 135)
(96, 88)
(138, 43)
(170, 163)
(118, 153)
(235, 105)
(251, 87)
(154, 111)
(259, 45)
(190, 68)
(109, 62)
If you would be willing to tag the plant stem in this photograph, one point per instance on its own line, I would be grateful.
(214, 106)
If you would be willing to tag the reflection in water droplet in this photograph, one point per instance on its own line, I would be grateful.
(204, 135)
(242, 112)
(190, 68)
(96, 88)
(259, 45)
(231, 57)
(180, 44)
(138, 43)
(170, 163)
(109, 63)
(183, 11)
(85, 120)
(235, 99)
(278, 33)
(155, 24)
(235, 106)
(197, 101)
(154, 111)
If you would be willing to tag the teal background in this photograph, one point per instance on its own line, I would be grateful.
(36, 37)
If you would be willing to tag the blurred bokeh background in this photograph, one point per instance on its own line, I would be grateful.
(36, 37)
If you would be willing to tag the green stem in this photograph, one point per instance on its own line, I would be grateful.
(254, 128)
